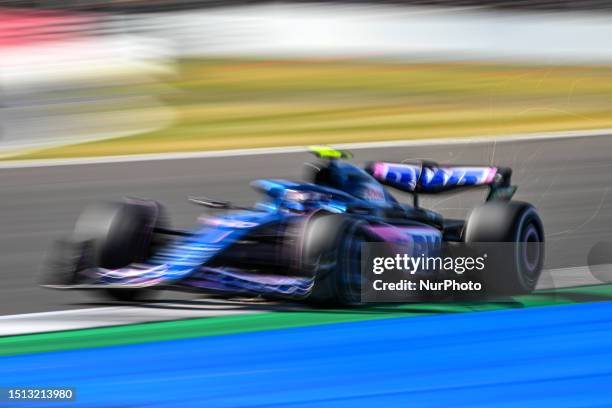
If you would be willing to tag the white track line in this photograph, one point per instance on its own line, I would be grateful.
(55, 313)
(117, 316)
(168, 311)
(15, 164)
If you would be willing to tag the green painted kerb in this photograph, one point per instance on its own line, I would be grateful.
(216, 326)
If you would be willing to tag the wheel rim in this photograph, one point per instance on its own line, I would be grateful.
(351, 273)
(531, 251)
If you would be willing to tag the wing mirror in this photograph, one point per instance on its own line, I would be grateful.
(206, 202)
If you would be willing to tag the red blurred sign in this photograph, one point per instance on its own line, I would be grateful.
(27, 27)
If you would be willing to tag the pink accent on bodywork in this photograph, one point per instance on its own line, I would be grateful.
(379, 170)
(491, 175)
(227, 223)
(400, 235)
(389, 234)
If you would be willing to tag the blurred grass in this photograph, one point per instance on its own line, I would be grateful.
(224, 104)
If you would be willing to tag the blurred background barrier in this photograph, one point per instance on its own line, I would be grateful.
(193, 75)
(390, 31)
(167, 5)
(539, 31)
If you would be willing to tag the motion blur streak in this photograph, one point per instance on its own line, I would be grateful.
(547, 356)
(59, 77)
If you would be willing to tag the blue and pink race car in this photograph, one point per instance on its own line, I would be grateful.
(301, 241)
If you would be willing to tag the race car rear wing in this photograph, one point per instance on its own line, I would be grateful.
(432, 178)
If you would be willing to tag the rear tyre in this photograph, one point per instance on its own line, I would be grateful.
(121, 233)
(513, 269)
(332, 254)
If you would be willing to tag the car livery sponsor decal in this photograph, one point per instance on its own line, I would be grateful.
(407, 176)
(419, 240)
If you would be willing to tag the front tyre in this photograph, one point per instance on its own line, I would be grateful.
(331, 253)
(121, 233)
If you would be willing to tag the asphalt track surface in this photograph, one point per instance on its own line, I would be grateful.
(569, 181)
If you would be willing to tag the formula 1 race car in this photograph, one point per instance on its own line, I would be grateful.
(301, 241)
